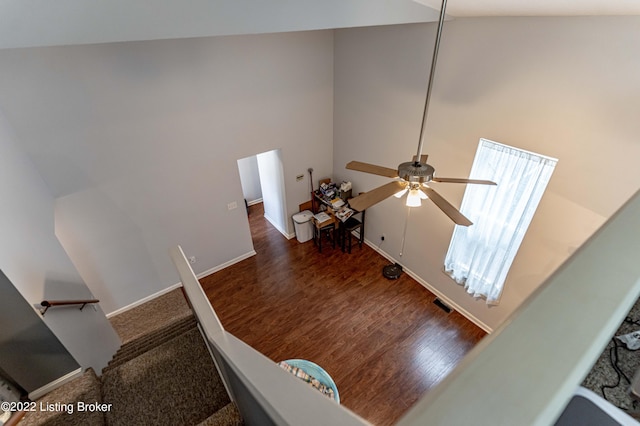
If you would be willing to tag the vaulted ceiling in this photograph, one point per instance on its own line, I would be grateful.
(467, 8)
(66, 22)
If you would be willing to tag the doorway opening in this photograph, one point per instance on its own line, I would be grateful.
(262, 180)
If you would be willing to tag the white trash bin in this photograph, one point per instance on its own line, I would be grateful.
(303, 226)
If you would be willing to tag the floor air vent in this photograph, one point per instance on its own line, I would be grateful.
(440, 304)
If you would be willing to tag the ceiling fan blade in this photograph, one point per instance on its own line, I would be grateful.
(446, 207)
(423, 158)
(373, 169)
(368, 199)
(458, 180)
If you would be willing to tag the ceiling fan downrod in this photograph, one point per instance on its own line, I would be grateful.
(414, 175)
(430, 84)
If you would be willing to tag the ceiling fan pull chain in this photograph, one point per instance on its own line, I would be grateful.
(431, 76)
(404, 233)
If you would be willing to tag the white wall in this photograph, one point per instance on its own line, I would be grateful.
(35, 262)
(563, 87)
(272, 186)
(139, 144)
(250, 179)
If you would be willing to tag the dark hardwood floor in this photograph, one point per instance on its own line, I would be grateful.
(384, 342)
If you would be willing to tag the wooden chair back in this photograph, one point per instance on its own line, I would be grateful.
(307, 205)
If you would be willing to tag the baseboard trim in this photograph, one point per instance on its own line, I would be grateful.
(251, 203)
(42, 391)
(143, 300)
(178, 285)
(282, 231)
(432, 289)
(225, 265)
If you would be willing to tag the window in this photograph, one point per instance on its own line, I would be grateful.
(479, 256)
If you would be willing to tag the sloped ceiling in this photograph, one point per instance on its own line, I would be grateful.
(462, 8)
(30, 23)
(34, 23)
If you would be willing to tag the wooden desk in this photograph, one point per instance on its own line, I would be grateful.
(318, 200)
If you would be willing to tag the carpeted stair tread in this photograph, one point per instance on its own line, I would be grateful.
(174, 383)
(121, 358)
(143, 344)
(226, 416)
(177, 326)
(85, 388)
(149, 316)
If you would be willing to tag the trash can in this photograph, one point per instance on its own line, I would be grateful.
(303, 226)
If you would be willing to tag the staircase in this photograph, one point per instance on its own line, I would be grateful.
(165, 376)
(147, 342)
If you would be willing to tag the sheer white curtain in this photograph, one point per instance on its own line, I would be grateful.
(479, 256)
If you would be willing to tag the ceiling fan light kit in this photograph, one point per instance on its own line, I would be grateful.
(416, 174)
(415, 197)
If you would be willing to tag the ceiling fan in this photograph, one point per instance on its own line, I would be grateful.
(414, 175)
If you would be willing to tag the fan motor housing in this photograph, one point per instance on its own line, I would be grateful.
(416, 172)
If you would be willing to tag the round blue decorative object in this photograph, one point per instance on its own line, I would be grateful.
(316, 371)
